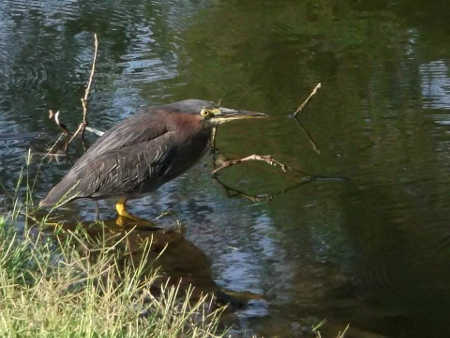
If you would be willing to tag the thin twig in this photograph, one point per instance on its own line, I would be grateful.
(28, 215)
(213, 139)
(304, 103)
(300, 110)
(214, 132)
(51, 150)
(84, 123)
(264, 158)
(300, 177)
(95, 131)
(65, 132)
(233, 192)
(84, 99)
(55, 117)
(91, 76)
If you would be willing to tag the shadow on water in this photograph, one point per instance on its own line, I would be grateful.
(178, 261)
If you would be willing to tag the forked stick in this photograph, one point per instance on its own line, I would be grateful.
(84, 104)
(264, 158)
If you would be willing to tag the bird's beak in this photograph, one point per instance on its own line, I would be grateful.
(223, 115)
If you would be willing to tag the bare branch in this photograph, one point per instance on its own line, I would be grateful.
(69, 138)
(264, 158)
(300, 110)
(223, 163)
(213, 139)
(301, 178)
(63, 136)
(51, 150)
(95, 131)
(55, 117)
(219, 163)
(304, 103)
(84, 99)
(91, 76)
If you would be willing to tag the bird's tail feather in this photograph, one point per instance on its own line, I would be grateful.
(62, 193)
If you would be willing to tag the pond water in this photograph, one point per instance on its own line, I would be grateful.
(372, 250)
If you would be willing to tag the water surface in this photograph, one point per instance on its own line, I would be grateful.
(372, 250)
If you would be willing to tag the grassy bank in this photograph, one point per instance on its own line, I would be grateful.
(69, 285)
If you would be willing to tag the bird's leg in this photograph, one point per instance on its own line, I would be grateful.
(121, 207)
(123, 214)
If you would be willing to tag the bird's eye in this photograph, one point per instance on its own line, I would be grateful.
(206, 113)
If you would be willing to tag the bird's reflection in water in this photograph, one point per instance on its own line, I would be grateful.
(178, 260)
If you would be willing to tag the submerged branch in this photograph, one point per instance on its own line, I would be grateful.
(220, 164)
(302, 178)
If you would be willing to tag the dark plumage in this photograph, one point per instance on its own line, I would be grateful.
(143, 152)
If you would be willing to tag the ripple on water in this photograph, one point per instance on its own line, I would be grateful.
(435, 82)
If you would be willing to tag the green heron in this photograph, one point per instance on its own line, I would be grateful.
(143, 152)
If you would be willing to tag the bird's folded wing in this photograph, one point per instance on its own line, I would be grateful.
(125, 170)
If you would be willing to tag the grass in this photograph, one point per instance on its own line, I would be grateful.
(57, 288)
(70, 285)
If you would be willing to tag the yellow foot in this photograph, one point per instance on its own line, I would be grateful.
(141, 223)
(125, 218)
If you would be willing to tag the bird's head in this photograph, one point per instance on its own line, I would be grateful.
(211, 114)
(214, 115)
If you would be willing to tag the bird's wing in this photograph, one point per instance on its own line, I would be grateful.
(128, 170)
(123, 171)
(138, 128)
